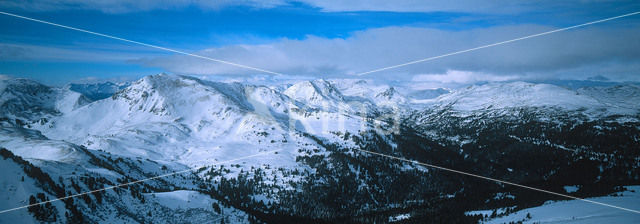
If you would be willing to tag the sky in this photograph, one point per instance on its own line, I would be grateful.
(322, 39)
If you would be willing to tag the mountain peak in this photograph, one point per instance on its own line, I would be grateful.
(26, 99)
(23, 85)
(97, 91)
(30, 100)
(315, 93)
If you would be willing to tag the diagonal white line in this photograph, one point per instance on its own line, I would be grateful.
(139, 181)
(499, 181)
(498, 43)
(143, 44)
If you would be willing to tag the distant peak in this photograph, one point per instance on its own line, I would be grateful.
(362, 82)
(22, 82)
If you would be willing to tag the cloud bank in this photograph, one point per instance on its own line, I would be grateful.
(611, 51)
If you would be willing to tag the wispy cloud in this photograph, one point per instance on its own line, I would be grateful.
(473, 6)
(499, 6)
(4, 77)
(92, 53)
(124, 6)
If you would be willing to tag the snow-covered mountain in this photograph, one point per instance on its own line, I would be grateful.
(29, 100)
(598, 101)
(306, 136)
(97, 91)
(619, 96)
(316, 93)
(381, 96)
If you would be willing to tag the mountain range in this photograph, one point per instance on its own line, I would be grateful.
(289, 153)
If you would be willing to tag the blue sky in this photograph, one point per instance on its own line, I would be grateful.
(318, 39)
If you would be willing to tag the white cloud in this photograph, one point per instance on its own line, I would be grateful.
(4, 77)
(454, 76)
(603, 50)
(454, 79)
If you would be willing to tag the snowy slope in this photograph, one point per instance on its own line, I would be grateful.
(30, 144)
(67, 101)
(196, 205)
(575, 211)
(15, 192)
